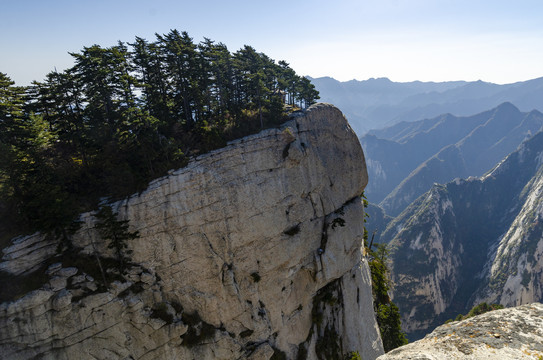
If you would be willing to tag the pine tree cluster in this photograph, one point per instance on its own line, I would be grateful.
(126, 114)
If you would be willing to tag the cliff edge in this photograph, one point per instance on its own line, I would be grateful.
(249, 251)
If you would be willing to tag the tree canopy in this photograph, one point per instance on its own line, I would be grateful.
(125, 114)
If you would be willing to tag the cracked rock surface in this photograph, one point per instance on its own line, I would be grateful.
(232, 250)
(513, 333)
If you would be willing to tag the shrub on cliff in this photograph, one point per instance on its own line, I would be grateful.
(387, 313)
(477, 310)
(116, 231)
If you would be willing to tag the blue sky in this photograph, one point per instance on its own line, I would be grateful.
(404, 40)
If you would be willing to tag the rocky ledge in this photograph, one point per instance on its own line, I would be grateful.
(513, 333)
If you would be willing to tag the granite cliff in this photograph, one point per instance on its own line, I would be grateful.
(250, 251)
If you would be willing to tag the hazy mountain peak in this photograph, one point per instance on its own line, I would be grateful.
(507, 106)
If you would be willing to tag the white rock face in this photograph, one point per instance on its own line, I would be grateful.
(514, 333)
(232, 251)
(515, 268)
(428, 292)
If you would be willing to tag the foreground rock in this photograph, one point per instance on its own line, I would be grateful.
(513, 333)
(250, 251)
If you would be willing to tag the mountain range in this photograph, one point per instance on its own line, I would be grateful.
(376, 103)
(473, 240)
(456, 195)
(406, 159)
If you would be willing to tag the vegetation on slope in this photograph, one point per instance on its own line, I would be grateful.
(387, 313)
(126, 114)
(477, 310)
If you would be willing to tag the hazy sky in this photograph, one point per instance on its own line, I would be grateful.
(431, 40)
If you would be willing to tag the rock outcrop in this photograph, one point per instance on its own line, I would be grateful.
(249, 251)
(514, 333)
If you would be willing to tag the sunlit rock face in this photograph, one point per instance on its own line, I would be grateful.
(514, 333)
(249, 251)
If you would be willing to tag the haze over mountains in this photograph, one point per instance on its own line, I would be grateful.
(376, 103)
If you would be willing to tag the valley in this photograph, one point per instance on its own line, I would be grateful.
(457, 199)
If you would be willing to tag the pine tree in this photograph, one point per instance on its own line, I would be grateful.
(387, 313)
(29, 178)
(116, 231)
(181, 68)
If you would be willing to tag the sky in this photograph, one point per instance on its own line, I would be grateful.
(405, 40)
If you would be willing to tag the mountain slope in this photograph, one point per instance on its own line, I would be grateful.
(440, 168)
(393, 153)
(515, 267)
(440, 149)
(472, 239)
(476, 153)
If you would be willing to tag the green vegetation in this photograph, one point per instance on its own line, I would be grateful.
(125, 114)
(353, 355)
(477, 310)
(116, 231)
(387, 313)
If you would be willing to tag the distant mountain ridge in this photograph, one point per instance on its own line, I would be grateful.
(376, 103)
(406, 159)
